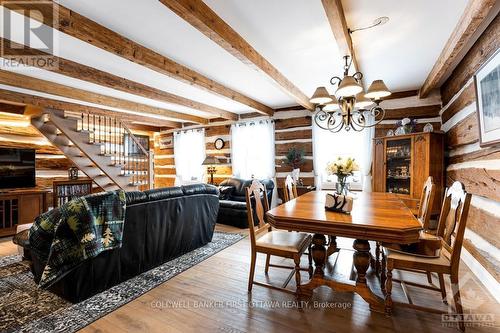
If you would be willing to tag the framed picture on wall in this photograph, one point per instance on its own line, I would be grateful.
(132, 149)
(487, 81)
(166, 142)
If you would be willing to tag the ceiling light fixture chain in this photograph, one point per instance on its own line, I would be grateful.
(350, 108)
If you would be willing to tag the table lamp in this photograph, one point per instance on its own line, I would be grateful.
(211, 162)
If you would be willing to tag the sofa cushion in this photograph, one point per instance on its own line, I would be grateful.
(199, 189)
(164, 193)
(135, 197)
(225, 192)
(238, 205)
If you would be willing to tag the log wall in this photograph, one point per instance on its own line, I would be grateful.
(293, 129)
(165, 171)
(475, 166)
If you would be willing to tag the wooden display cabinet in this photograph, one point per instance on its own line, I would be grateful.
(402, 164)
(20, 206)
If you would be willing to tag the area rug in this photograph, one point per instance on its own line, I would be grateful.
(26, 308)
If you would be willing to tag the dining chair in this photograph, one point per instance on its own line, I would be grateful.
(451, 229)
(424, 215)
(289, 189)
(263, 239)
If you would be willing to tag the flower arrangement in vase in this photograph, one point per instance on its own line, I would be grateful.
(342, 168)
(295, 158)
(406, 126)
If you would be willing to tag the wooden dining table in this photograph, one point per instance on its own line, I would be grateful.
(380, 217)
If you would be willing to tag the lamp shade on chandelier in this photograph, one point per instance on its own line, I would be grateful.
(350, 108)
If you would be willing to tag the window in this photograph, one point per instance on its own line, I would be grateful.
(328, 146)
(189, 153)
(253, 149)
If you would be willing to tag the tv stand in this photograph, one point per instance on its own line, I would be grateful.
(20, 206)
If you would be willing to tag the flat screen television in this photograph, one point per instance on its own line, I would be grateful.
(17, 168)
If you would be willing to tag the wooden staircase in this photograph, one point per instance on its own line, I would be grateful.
(102, 147)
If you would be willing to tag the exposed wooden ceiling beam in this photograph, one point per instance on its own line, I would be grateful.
(474, 15)
(90, 74)
(80, 27)
(338, 24)
(203, 18)
(43, 102)
(48, 87)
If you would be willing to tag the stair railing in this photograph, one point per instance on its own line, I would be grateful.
(119, 143)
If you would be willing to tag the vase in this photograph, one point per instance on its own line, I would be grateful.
(342, 186)
(295, 175)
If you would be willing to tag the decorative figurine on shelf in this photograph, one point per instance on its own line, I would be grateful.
(73, 173)
(343, 169)
(295, 158)
(406, 126)
(428, 128)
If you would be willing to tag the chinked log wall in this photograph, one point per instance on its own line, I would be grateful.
(423, 110)
(293, 129)
(478, 168)
(165, 171)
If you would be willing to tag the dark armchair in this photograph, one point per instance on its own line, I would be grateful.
(232, 201)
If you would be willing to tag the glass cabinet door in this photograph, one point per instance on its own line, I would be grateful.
(398, 166)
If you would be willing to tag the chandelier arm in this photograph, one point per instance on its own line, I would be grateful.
(335, 128)
(335, 78)
(375, 111)
(358, 76)
(321, 116)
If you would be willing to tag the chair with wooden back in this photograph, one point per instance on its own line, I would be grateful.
(426, 204)
(263, 239)
(289, 189)
(424, 215)
(451, 229)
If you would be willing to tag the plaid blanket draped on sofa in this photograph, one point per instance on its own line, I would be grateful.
(80, 229)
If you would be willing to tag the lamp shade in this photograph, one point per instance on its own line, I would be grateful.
(320, 96)
(333, 105)
(362, 101)
(377, 90)
(211, 160)
(348, 87)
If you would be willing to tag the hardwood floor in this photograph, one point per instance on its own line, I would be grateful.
(212, 297)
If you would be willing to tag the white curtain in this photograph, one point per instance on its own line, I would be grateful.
(327, 146)
(367, 152)
(252, 151)
(189, 153)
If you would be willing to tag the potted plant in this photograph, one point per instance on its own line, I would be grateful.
(295, 158)
(342, 168)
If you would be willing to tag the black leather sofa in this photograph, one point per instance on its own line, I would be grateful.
(160, 225)
(233, 207)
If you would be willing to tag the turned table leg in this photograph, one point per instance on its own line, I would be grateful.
(319, 253)
(362, 258)
(319, 256)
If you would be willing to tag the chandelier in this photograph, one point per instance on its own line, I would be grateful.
(350, 108)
